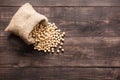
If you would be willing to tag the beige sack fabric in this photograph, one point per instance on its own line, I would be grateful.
(23, 22)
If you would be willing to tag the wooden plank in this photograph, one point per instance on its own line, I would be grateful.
(82, 51)
(54, 73)
(61, 2)
(92, 38)
(77, 21)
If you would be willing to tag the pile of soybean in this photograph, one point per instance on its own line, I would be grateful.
(48, 38)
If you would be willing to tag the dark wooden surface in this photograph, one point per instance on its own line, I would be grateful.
(92, 42)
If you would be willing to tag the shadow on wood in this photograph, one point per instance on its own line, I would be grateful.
(21, 47)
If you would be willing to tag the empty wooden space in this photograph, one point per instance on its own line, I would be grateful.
(92, 42)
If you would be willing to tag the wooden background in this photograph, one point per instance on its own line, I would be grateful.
(92, 42)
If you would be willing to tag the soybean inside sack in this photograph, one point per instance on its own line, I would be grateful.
(23, 22)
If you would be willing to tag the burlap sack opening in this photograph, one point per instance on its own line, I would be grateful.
(23, 22)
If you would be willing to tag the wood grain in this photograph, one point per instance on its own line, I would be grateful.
(81, 52)
(92, 42)
(61, 2)
(77, 21)
(59, 73)
(92, 38)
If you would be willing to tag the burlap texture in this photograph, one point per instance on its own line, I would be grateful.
(23, 22)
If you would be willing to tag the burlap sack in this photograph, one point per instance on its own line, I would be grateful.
(22, 23)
